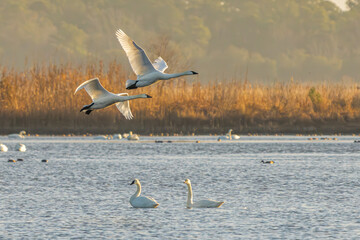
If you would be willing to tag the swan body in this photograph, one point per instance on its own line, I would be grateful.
(226, 137)
(17, 135)
(133, 137)
(200, 204)
(138, 201)
(147, 72)
(117, 136)
(229, 136)
(103, 98)
(101, 137)
(20, 147)
(3, 148)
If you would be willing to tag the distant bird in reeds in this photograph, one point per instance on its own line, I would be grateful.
(147, 72)
(267, 162)
(202, 203)
(17, 135)
(3, 148)
(138, 201)
(103, 98)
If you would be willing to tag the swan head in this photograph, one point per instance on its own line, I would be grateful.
(22, 133)
(193, 72)
(187, 182)
(136, 181)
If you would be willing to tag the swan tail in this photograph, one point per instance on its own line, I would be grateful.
(156, 205)
(131, 84)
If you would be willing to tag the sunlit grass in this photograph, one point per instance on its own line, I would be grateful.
(42, 98)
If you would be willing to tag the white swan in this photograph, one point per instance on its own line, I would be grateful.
(141, 202)
(17, 135)
(3, 148)
(20, 147)
(229, 136)
(101, 137)
(103, 98)
(200, 204)
(132, 136)
(117, 136)
(233, 136)
(147, 72)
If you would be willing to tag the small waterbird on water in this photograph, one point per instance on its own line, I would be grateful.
(147, 72)
(268, 162)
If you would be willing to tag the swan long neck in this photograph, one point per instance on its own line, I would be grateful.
(229, 133)
(189, 202)
(132, 97)
(138, 191)
(175, 75)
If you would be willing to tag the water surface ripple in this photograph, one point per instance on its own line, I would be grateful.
(312, 190)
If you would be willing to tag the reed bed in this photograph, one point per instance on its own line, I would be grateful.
(41, 99)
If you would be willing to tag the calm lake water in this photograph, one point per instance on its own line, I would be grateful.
(312, 190)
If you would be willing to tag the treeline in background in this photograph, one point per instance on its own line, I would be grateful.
(41, 100)
(265, 41)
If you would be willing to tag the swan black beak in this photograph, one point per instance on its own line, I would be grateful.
(194, 72)
(132, 182)
(148, 96)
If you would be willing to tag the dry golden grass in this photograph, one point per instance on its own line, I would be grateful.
(41, 99)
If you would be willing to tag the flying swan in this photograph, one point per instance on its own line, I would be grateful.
(103, 98)
(141, 202)
(147, 72)
(200, 204)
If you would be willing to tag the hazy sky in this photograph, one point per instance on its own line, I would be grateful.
(340, 3)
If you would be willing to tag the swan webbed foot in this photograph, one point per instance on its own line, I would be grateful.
(88, 112)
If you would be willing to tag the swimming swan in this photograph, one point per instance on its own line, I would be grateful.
(3, 148)
(103, 98)
(229, 136)
(147, 72)
(133, 137)
(17, 135)
(233, 136)
(200, 204)
(141, 202)
(20, 147)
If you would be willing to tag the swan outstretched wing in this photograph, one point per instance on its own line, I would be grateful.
(93, 88)
(139, 62)
(160, 64)
(124, 107)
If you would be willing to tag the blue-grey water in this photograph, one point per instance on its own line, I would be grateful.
(312, 190)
